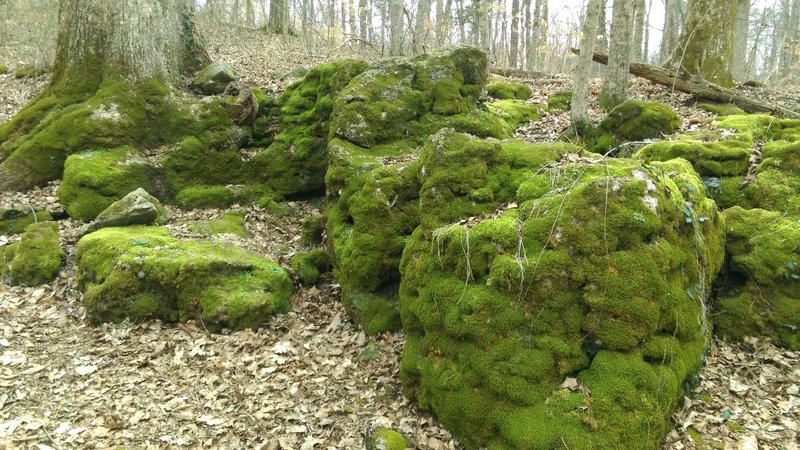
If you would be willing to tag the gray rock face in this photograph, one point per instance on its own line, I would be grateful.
(136, 208)
(240, 103)
(213, 79)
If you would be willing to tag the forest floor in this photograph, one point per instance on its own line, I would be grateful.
(308, 379)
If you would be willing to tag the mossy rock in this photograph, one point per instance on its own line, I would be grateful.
(35, 259)
(635, 120)
(720, 109)
(214, 78)
(514, 112)
(15, 219)
(759, 289)
(206, 197)
(560, 100)
(191, 163)
(313, 230)
(751, 127)
(38, 140)
(136, 208)
(386, 439)
(141, 273)
(509, 91)
(296, 161)
(309, 265)
(777, 182)
(601, 273)
(29, 71)
(95, 179)
(226, 223)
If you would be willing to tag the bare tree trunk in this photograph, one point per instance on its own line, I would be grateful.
(615, 85)
(351, 12)
(526, 9)
(791, 45)
(639, 25)
(422, 26)
(278, 22)
(235, 13)
(669, 38)
(462, 26)
(751, 60)
(646, 50)
(537, 30)
(741, 31)
(580, 88)
(250, 12)
(514, 47)
(363, 10)
(397, 24)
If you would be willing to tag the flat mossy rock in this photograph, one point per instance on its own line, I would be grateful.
(193, 162)
(719, 109)
(635, 120)
(141, 273)
(15, 219)
(386, 439)
(35, 144)
(509, 91)
(226, 223)
(35, 259)
(214, 78)
(136, 208)
(95, 179)
(570, 320)
(378, 196)
(560, 100)
(296, 161)
(758, 292)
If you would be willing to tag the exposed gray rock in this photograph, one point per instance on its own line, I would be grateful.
(240, 103)
(136, 208)
(214, 78)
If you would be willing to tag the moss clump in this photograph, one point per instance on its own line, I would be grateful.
(3, 69)
(601, 273)
(635, 120)
(560, 100)
(514, 112)
(227, 223)
(777, 182)
(191, 164)
(313, 230)
(15, 220)
(296, 160)
(140, 273)
(386, 439)
(29, 71)
(509, 91)
(95, 179)
(35, 259)
(206, 197)
(751, 127)
(721, 109)
(309, 265)
(709, 159)
(759, 287)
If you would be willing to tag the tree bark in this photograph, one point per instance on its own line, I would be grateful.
(422, 26)
(580, 87)
(396, 31)
(740, 38)
(615, 85)
(278, 22)
(514, 47)
(791, 45)
(705, 46)
(639, 25)
(700, 88)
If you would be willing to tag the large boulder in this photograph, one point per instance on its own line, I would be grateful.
(136, 208)
(142, 273)
(95, 179)
(35, 259)
(214, 78)
(568, 317)
(758, 292)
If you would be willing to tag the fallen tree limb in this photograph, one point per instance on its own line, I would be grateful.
(516, 73)
(695, 85)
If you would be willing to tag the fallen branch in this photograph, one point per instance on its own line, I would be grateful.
(697, 86)
(516, 73)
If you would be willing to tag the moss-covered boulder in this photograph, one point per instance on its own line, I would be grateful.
(776, 185)
(227, 223)
(136, 208)
(206, 197)
(35, 259)
(214, 78)
(635, 120)
(309, 265)
(296, 160)
(509, 91)
(758, 292)
(572, 319)
(141, 273)
(15, 219)
(720, 109)
(313, 230)
(560, 100)
(95, 179)
(382, 438)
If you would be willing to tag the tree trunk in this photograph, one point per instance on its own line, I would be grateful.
(705, 46)
(363, 21)
(422, 26)
(278, 22)
(250, 12)
(791, 45)
(639, 25)
(669, 38)
(397, 24)
(580, 88)
(615, 85)
(514, 47)
(740, 35)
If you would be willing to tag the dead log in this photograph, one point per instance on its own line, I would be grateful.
(517, 73)
(697, 86)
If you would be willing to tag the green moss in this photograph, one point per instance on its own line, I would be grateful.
(313, 230)
(206, 197)
(514, 112)
(777, 183)
(95, 179)
(140, 273)
(509, 91)
(758, 290)
(603, 275)
(227, 223)
(709, 159)
(3, 69)
(37, 257)
(721, 109)
(387, 439)
(560, 100)
(16, 220)
(751, 127)
(635, 120)
(29, 71)
(309, 265)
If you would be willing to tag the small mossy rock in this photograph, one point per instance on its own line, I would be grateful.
(136, 208)
(309, 265)
(36, 259)
(95, 179)
(560, 100)
(141, 273)
(214, 78)
(386, 439)
(759, 288)
(15, 219)
(313, 230)
(240, 103)
(509, 91)
(751, 127)
(206, 197)
(191, 163)
(145, 115)
(296, 160)
(777, 179)
(514, 112)
(719, 109)
(722, 158)
(635, 120)
(600, 274)
(227, 223)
